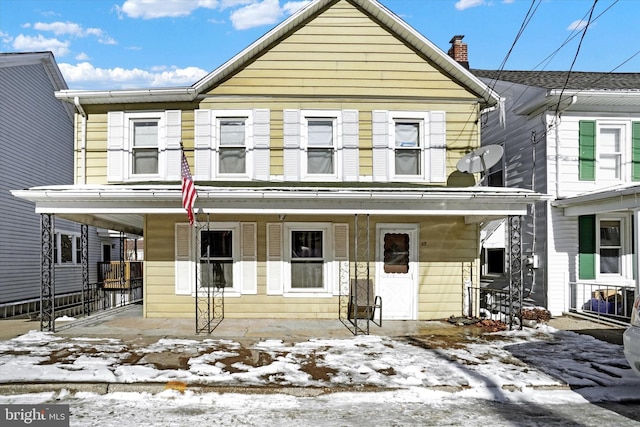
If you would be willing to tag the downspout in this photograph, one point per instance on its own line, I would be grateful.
(82, 179)
(574, 99)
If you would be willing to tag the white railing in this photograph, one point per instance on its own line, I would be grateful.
(605, 301)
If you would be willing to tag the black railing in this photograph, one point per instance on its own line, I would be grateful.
(493, 304)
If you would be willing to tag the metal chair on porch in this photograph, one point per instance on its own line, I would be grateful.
(363, 302)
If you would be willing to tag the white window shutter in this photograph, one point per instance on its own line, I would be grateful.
(115, 146)
(438, 146)
(249, 258)
(380, 140)
(261, 144)
(341, 257)
(291, 141)
(275, 263)
(173, 120)
(202, 144)
(350, 142)
(184, 268)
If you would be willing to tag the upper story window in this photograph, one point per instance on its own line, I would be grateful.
(409, 146)
(232, 149)
(232, 144)
(144, 147)
(609, 151)
(321, 147)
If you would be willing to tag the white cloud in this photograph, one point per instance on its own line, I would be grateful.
(71, 28)
(266, 12)
(577, 25)
(466, 4)
(293, 6)
(82, 57)
(150, 9)
(39, 43)
(84, 75)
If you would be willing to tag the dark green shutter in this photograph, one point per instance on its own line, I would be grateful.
(587, 148)
(635, 150)
(587, 247)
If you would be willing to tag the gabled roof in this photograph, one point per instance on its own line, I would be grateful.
(557, 79)
(371, 8)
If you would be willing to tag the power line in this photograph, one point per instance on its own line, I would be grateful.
(575, 57)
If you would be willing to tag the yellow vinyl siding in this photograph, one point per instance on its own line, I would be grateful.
(446, 247)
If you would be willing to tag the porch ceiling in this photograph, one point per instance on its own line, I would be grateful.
(123, 207)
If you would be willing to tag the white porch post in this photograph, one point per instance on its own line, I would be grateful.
(636, 242)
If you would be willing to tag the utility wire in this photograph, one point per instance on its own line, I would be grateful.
(575, 57)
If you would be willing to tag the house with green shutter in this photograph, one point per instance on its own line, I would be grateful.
(574, 136)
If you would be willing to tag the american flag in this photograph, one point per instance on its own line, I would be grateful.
(189, 193)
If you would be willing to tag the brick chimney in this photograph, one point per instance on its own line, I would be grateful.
(458, 51)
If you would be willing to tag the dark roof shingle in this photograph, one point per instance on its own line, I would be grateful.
(579, 80)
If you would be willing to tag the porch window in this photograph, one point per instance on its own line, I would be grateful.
(67, 249)
(232, 149)
(610, 247)
(321, 146)
(408, 148)
(216, 258)
(145, 147)
(307, 259)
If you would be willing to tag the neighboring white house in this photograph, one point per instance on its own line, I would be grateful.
(36, 139)
(575, 137)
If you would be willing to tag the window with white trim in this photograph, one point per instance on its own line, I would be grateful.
(610, 246)
(232, 146)
(143, 145)
(321, 139)
(219, 257)
(67, 249)
(609, 149)
(408, 147)
(321, 144)
(309, 257)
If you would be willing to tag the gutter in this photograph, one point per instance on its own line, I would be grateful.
(83, 142)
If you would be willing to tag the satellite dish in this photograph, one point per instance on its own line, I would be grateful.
(481, 159)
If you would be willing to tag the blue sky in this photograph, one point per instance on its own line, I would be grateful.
(113, 44)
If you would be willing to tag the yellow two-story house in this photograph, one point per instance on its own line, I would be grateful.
(324, 151)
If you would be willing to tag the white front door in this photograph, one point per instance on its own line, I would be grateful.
(397, 270)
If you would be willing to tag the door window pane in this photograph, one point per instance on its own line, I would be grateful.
(396, 253)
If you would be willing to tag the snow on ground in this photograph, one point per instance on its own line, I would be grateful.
(524, 377)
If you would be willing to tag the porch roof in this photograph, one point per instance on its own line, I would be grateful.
(122, 207)
(624, 197)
